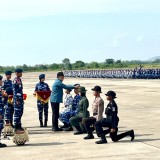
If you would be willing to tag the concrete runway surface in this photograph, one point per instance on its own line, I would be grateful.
(139, 109)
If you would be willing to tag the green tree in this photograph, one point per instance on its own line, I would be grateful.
(66, 64)
(79, 65)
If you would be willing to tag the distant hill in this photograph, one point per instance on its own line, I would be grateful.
(154, 58)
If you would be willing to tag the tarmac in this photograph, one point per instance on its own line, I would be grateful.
(139, 109)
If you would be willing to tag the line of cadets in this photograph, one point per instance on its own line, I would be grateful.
(74, 114)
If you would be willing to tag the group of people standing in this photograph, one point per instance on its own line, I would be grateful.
(137, 73)
(74, 114)
(11, 107)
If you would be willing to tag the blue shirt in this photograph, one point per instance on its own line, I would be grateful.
(57, 91)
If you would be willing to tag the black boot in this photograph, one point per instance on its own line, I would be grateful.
(41, 123)
(12, 124)
(102, 141)
(79, 130)
(45, 123)
(89, 136)
(131, 134)
(68, 129)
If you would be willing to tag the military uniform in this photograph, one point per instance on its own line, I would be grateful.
(18, 102)
(9, 110)
(66, 112)
(97, 108)
(42, 86)
(111, 121)
(1, 114)
(82, 112)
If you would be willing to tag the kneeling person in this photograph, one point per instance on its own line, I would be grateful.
(98, 108)
(82, 112)
(111, 121)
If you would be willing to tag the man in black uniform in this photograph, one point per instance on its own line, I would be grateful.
(111, 121)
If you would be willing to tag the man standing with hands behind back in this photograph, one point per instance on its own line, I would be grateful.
(57, 98)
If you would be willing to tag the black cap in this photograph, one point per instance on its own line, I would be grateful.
(8, 73)
(9, 90)
(111, 93)
(1, 77)
(77, 84)
(19, 70)
(41, 76)
(97, 89)
(60, 74)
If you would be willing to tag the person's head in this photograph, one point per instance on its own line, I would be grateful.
(82, 91)
(1, 80)
(110, 95)
(68, 91)
(60, 76)
(18, 72)
(8, 74)
(9, 91)
(42, 77)
(96, 91)
(76, 90)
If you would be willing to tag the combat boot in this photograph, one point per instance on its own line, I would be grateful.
(45, 123)
(41, 123)
(102, 141)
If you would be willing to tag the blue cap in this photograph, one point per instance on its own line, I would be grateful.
(1, 77)
(41, 76)
(9, 90)
(18, 70)
(8, 72)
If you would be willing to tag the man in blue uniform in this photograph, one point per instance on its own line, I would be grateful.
(18, 102)
(1, 112)
(9, 110)
(42, 106)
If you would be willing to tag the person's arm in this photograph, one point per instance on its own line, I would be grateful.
(85, 107)
(36, 89)
(16, 94)
(48, 88)
(59, 84)
(114, 117)
(100, 110)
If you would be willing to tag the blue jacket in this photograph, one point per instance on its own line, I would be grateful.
(57, 91)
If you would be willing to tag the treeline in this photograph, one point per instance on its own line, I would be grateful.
(80, 65)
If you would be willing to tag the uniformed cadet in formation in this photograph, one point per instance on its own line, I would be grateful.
(97, 108)
(9, 110)
(41, 105)
(18, 102)
(82, 113)
(67, 109)
(1, 113)
(137, 73)
(111, 121)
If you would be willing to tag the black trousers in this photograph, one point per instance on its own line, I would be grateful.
(88, 122)
(55, 115)
(107, 123)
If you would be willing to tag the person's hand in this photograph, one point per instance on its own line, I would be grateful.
(34, 94)
(113, 130)
(18, 102)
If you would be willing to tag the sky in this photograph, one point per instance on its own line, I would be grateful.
(47, 31)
